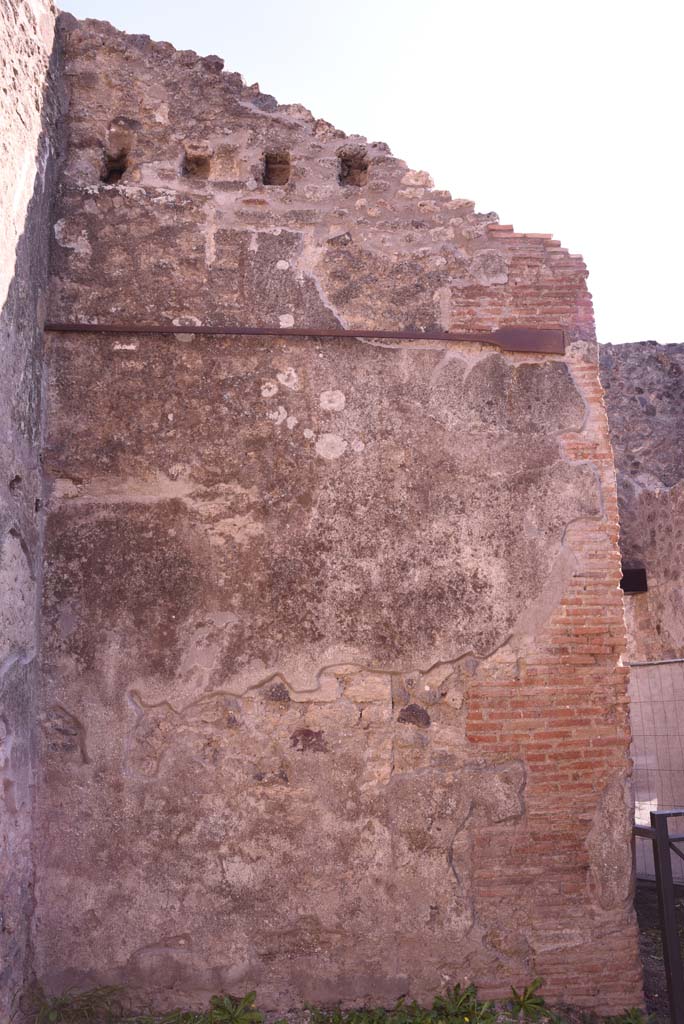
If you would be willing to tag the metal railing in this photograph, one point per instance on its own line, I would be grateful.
(664, 845)
(656, 691)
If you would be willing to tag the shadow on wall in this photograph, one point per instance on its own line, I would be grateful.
(24, 263)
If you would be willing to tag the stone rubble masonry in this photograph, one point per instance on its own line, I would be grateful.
(27, 150)
(332, 700)
(644, 386)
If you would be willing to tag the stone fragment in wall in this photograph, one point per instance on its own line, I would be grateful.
(414, 714)
(277, 692)
(309, 741)
(432, 686)
(271, 775)
(489, 267)
(364, 687)
(227, 164)
(339, 718)
(327, 689)
(218, 710)
(411, 748)
(512, 944)
(610, 855)
(344, 238)
(17, 587)
(324, 130)
(8, 785)
(65, 734)
(152, 729)
(420, 179)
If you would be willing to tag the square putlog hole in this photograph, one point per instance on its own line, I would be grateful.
(276, 168)
(114, 166)
(353, 169)
(634, 580)
(197, 160)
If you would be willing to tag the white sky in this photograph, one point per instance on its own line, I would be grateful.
(563, 116)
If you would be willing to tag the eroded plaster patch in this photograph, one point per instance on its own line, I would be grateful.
(331, 446)
(332, 401)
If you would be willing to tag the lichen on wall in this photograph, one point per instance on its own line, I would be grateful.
(27, 148)
(333, 705)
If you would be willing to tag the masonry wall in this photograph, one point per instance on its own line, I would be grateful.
(27, 150)
(332, 628)
(644, 385)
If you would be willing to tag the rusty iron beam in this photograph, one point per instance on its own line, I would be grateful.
(512, 339)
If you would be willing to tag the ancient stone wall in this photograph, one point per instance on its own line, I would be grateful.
(644, 386)
(332, 698)
(27, 115)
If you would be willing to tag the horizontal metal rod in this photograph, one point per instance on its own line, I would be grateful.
(513, 339)
(666, 661)
(647, 832)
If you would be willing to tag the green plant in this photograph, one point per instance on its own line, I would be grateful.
(402, 1013)
(171, 1017)
(338, 1016)
(411, 1013)
(95, 1006)
(374, 1015)
(234, 1010)
(461, 1006)
(319, 1016)
(527, 1005)
(632, 1016)
(109, 1005)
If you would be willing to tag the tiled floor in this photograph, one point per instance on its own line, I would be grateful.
(657, 709)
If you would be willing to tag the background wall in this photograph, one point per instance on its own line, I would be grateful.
(645, 400)
(333, 706)
(644, 386)
(27, 114)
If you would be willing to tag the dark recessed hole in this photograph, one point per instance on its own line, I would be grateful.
(114, 166)
(276, 168)
(197, 160)
(37, 505)
(353, 169)
(15, 485)
(634, 580)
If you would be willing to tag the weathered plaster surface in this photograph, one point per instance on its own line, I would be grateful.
(332, 697)
(27, 113)
(644, 386)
